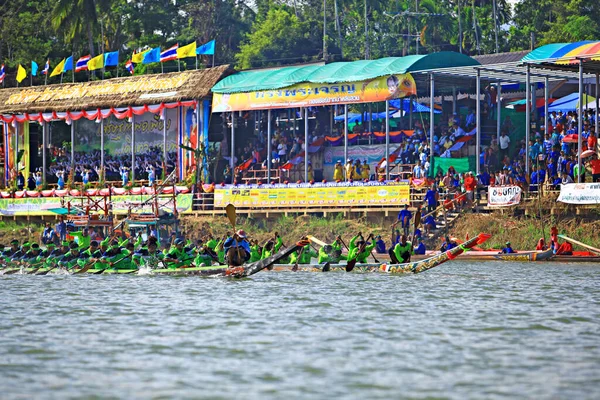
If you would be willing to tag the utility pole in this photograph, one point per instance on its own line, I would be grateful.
(338, 28)
(494, 5)
(475, 29)
(366, 33)
(460, 34)
(324, 30)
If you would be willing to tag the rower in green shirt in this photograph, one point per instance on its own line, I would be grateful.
(359, 249)
(303, 256)
(211, 242)
(177, 257)
(149, 256)
(255, 252)
(82, 238)
(401, 252)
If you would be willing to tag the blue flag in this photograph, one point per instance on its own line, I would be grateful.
(34, 68)
(207, 48)
(111, 59)
(152, 56)
(68, 64)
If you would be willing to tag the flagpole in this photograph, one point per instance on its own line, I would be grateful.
(178, 65)
(46, 76)
(61, 74)
(213, 63)
(196, 61)
(162, 70)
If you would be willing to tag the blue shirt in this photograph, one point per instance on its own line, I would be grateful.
(420, 249)
(507, 250)
(380, 246)
(230, 242)
(430, 197)
(405, 214)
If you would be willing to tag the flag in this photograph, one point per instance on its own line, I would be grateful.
(169, 54)
(96, 63)
(138, 58)
(187, 50)
(207, 48)
(46, 68)
(129, 67)
(68, 64)
(21, 73)
(111, 59)
(2, 73)
(246, 164)
(58, 69)
(82, 63)
(34, 68)
(151, 56)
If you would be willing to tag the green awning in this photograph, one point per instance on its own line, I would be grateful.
(277, 78)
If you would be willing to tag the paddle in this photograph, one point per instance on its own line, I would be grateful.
(232, 216)
(416, 226)
(585, 246)
(113, 263)
(295, 267)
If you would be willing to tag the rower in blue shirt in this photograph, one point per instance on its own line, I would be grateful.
(379, 245)
(420, 249)
(507, 249)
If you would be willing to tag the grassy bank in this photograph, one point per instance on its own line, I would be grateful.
(522, 232)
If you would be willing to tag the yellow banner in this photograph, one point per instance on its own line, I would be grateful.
(313, 196)
(318, 94)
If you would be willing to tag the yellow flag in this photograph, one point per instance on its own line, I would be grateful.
(187, 51)
(96, 63)
(21, 74)
(58, 69)
(137, 58)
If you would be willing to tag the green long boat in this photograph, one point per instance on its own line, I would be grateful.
(250, 269)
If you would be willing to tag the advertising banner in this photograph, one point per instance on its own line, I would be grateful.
(503, 196)
(318, 94)
(306, 195)
(16, 145)
(38, 206)
(580, 193)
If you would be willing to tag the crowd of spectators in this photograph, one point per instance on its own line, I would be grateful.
(148, 166)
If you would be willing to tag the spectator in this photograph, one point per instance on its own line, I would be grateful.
(20, 181)
(61, 229)
(504, 143)
(31, 182)
(48, 234)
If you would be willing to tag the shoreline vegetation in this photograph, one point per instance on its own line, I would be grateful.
(522, 231)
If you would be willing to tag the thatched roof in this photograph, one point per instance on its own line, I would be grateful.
(117, 92)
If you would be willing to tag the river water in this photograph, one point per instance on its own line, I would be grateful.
(462, 331)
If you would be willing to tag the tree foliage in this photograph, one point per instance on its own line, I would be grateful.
(276, 32)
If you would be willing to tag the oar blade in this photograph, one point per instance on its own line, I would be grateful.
(350, 265)
(231, 214)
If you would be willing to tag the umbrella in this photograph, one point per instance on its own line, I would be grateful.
(572, 138)
(587, 153)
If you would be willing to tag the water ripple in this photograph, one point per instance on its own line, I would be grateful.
(461, 331)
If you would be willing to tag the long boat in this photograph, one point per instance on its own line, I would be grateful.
(219, 270)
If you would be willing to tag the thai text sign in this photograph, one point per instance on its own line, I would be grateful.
(503, 196)
(318, 94)
(580, 193)
(317, 195)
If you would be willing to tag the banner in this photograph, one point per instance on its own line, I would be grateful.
(503, 196)
(16, 145)
(580, 193)
(117, 134)
(306, 195)
(318, 94)
(39, 206)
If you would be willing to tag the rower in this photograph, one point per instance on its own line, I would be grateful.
(379, 245)
(32, 254)
(255, 251)
(237, 249)
(508, 249)
(448, 244)
(14, 247)
(420, 249)
(401, 252)
(73, 257)
(303, 256)
(50, 247)
(177, 255)
(359, 249)
(211, 242)
(19, 254)
(82, 238)
(149, 256)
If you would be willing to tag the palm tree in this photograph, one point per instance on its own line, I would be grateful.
(76, 18)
